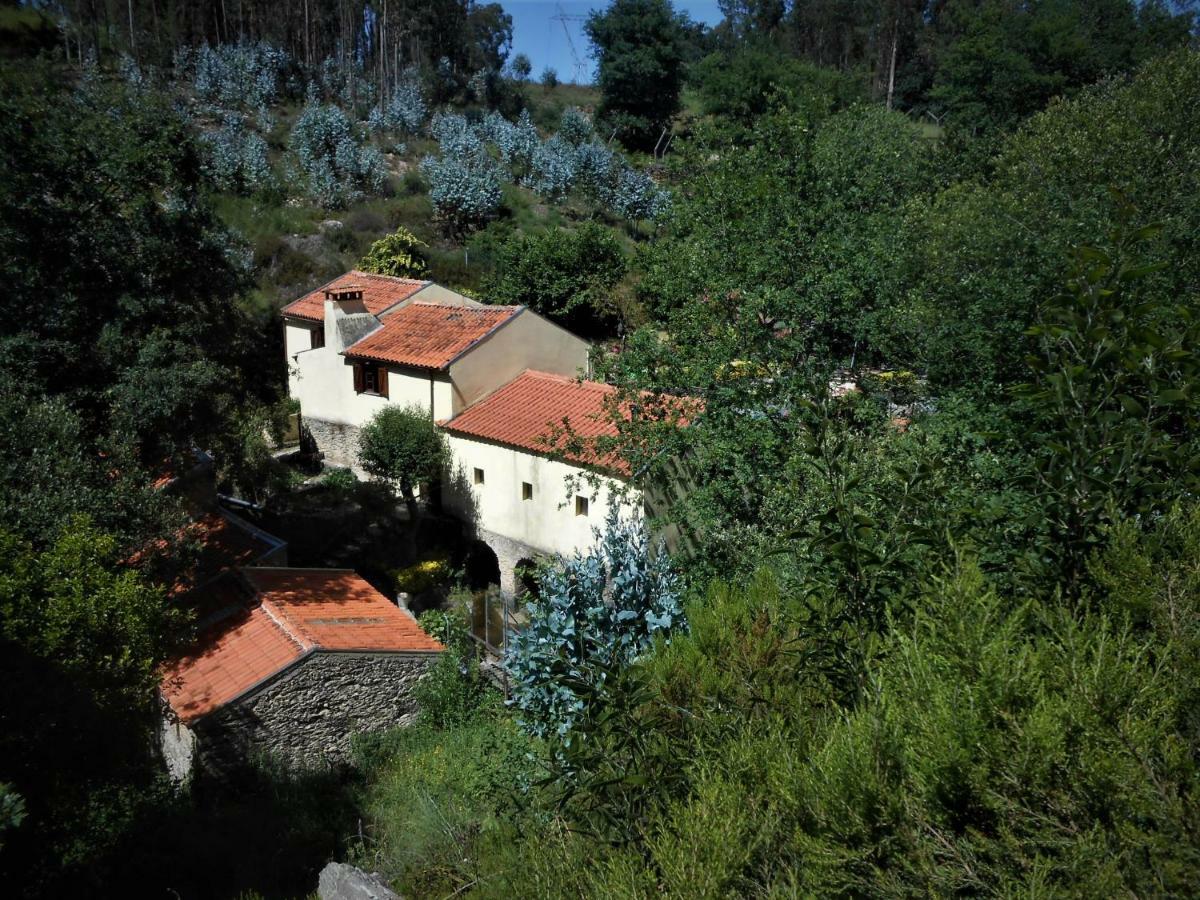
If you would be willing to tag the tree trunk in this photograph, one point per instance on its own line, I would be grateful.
(892, 67)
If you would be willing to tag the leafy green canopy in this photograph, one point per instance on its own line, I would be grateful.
(977, 258)
(568, 276)
(403, 445)
(82, 639)
(120, 285)
(398, 254)
(640, 48)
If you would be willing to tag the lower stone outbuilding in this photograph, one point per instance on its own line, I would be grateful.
(294, 663)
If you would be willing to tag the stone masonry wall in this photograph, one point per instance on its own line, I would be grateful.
(307, 715)
(338, 442)
(508, 554)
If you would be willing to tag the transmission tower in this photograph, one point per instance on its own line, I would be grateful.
(581, 67)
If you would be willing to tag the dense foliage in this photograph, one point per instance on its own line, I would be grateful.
(398, 254)
(568, 276)
(640, 52)
(902, 322)
(403, 446)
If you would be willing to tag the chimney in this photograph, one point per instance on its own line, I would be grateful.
(348, 298)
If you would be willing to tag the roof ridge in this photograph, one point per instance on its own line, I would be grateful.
(567, 379)
(294, 630)
(400, 278)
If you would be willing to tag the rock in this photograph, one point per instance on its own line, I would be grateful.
(339, 881)
(330, 225)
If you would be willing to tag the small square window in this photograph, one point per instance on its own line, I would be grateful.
(526, 490)
(581, 506)
(479, 476)
(317, 338)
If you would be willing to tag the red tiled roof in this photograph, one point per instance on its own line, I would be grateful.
(338, 610)
(379, 292)
(294, 612)
(430, 336)
(535, 407)
(233, 655)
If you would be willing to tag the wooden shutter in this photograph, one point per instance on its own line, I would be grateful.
(359, 382)
(381, 380)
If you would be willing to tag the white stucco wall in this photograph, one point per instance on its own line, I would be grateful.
(323, 381)
(297, 336)
(527, 342)
(547, 522)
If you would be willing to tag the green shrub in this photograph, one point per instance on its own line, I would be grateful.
(437, 797)
(340, 480)
(418, 578)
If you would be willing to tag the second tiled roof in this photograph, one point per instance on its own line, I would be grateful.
(430, 336)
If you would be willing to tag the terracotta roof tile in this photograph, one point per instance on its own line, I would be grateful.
(224, 544)
(230, 657)
(338, 610)
(292, 612)
(379, 293)
(534, 407)
(430, 336)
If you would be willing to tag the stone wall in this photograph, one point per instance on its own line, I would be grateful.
(508, 554)
(306, 715)
(338, 442)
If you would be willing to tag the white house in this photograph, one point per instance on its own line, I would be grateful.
(363, 341)
(523, 489)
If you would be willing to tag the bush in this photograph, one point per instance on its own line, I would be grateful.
(592, 614)
(340, 480)
(549, 78)
(398, 254)
(406, 108)
(574, 125)
(335, 166)
(553, 168)
(237, 157)
(421, 577)
(464, 192)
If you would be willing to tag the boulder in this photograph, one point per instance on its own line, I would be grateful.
(340, 881)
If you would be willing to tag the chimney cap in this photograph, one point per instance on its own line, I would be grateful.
(346, 292)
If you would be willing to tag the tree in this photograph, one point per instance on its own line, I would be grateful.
(640, 46)
(398, 254)
(403, 446)
(566, 275)
(104, 209)
(1114, 395)
(521, 67)
(982, 255)
(549, 78)
(335, 164)
(83, 637)
(591, 613)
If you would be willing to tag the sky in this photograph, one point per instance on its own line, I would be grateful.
(541, 38)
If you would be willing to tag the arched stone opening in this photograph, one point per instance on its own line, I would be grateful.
(525, 579)
(481, 567)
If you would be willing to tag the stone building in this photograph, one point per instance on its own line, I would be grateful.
(290, 663)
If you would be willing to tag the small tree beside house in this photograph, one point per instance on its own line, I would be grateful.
(404, 447)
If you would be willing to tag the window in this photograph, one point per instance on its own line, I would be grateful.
(479, 476)
(526, 490)
(370, 378)
(581, 506)
(317, 338)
